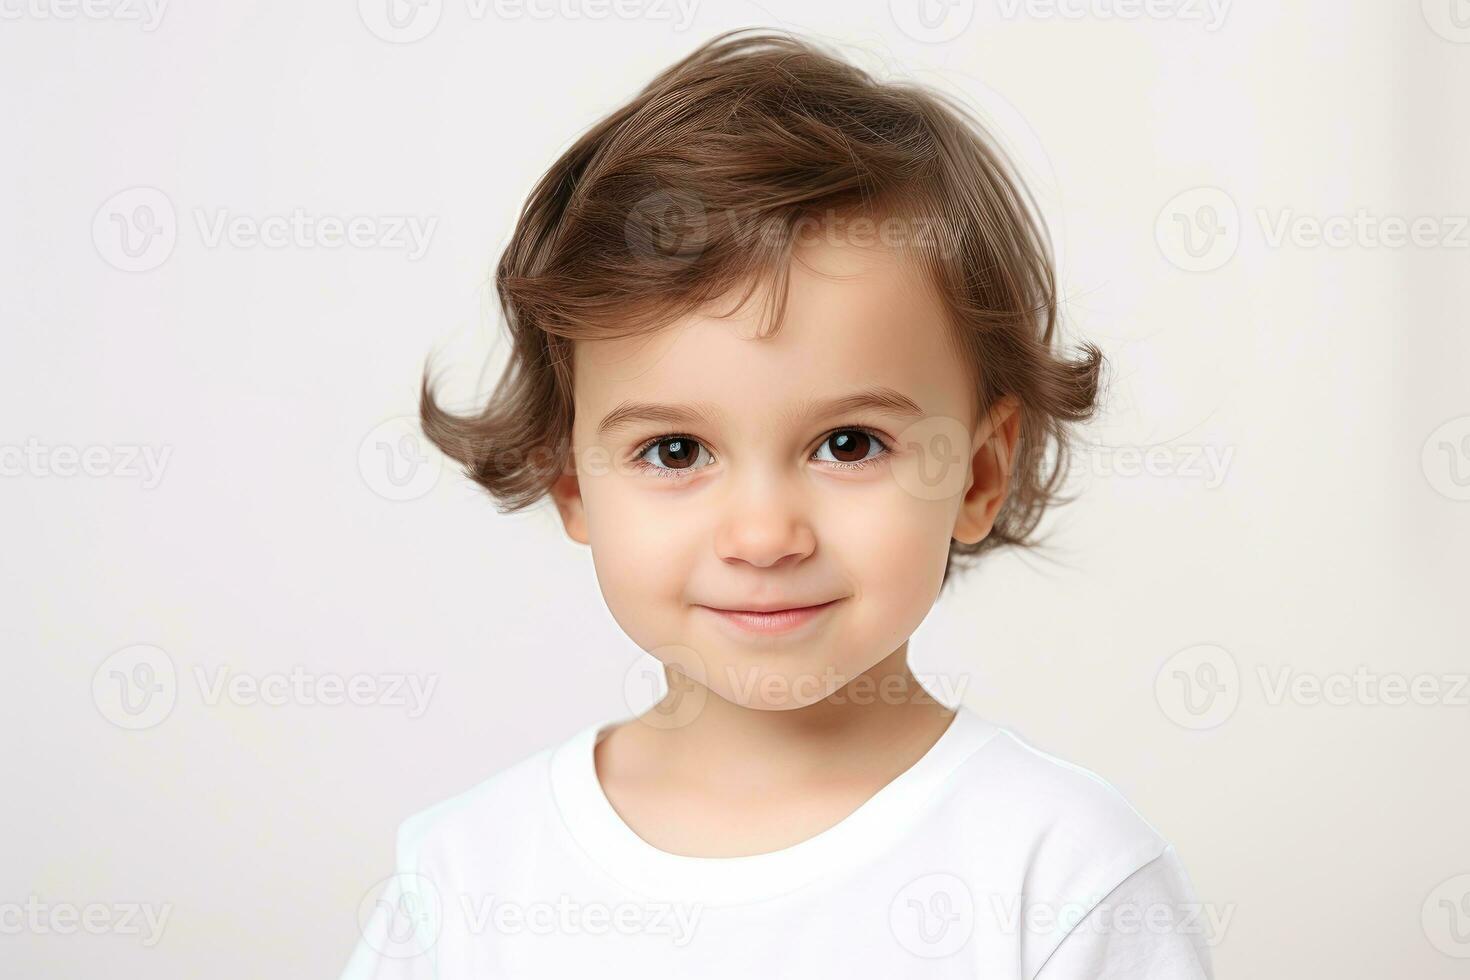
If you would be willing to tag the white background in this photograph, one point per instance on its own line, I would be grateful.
(1330, 379)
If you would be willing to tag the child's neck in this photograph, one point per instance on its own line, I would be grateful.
(742, 780)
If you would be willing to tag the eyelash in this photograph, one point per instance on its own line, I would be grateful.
(676, 474)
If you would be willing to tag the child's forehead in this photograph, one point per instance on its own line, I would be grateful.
(845, 304)
(853, 317)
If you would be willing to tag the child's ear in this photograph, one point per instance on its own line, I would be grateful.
(990, 470)
(567, 493)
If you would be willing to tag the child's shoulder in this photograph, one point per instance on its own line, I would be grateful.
(509, 805)
(1023, 801)
(1043, 781)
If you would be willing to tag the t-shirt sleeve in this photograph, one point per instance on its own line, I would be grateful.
(1151, 927)
(400, 926)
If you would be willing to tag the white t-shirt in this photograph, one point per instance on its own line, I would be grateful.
(985, 858)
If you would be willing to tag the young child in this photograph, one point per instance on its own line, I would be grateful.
(783, 356)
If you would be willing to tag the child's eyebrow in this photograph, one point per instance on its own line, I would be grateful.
(881, 399)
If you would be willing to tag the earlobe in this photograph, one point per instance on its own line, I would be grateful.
(567, 493)
(990, 470)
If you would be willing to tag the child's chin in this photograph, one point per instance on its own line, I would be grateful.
(774, 690)
(789, 705)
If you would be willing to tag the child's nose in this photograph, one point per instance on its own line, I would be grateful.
(765, 526)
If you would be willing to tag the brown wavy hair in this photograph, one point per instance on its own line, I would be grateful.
(700, 185)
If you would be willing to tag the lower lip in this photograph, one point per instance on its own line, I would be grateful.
(782, 621)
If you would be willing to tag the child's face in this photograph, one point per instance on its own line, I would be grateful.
(754, 507)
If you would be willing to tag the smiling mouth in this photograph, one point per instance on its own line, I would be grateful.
(772, 621)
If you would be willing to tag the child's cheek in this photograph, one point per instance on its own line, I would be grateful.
(643, 548)
(893, 546)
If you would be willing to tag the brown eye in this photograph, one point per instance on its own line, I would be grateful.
(678, 454)
(851, 445)
(673, 454)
